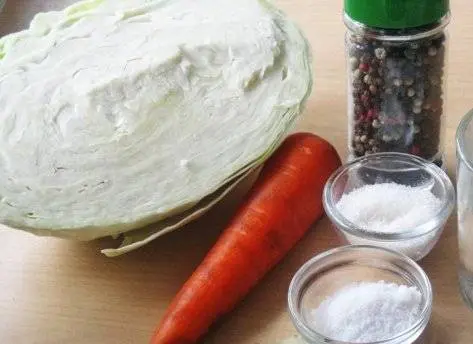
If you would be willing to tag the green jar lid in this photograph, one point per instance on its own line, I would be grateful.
(396, 14)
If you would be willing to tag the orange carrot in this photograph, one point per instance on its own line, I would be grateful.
(285, 200)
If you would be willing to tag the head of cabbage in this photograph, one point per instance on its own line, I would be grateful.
(121, 113)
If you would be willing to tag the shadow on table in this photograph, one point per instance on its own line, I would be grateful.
(441, 267)
(148, 279)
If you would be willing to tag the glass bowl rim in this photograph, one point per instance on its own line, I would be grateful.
(460, 138)
(430, 226)
(302, 276)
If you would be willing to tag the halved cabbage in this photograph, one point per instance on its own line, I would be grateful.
(120, 113)
(137, 238)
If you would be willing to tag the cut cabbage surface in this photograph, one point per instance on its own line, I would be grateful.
(137, 238)
(120, 113)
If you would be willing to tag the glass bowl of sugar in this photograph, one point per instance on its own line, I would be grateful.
(392, 200)
(361, 294)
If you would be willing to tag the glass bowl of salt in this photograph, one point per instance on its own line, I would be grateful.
(392, 200)
(361, 294)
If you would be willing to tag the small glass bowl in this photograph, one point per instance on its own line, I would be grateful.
(399, 168)
(326, 273)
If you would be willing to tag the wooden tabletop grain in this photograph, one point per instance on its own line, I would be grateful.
(55, 291)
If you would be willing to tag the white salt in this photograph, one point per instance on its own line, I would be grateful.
(389, 207)
(416, 248)
(367, 312)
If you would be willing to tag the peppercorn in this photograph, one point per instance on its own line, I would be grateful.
(368, 79)
(397, 95)
(409, 81)
(418, 102)
(432, 51)
(380, 53)
(354, 63)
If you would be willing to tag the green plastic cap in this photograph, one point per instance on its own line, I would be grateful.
(396, 14)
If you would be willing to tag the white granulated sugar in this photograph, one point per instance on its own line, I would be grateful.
(367, 312)
(389, 207)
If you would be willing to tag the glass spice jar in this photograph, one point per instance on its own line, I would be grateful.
(396, 54)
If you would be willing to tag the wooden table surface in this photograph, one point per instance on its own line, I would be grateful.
(55, 291)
